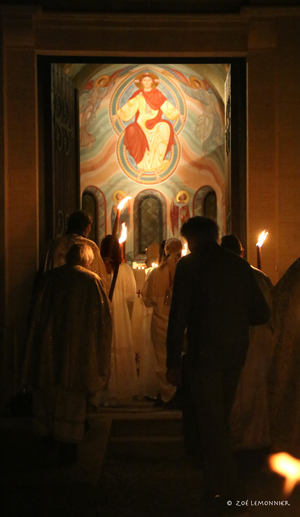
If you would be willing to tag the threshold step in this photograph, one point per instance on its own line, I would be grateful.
(146, 439)
(150, 448)
(148, 427)
(129, 413)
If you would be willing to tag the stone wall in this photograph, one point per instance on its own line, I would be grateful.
(268, 38)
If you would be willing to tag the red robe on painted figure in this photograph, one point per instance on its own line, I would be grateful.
(149, 138)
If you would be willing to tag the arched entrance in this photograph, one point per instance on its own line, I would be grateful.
(205, 147)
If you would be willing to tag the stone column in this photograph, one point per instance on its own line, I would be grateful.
(20, 186)
(262, 99)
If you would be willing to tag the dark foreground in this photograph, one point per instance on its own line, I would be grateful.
(131, 484)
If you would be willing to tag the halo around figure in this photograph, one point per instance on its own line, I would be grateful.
(196, 82)
(183, 193)
(104, 78)
(116, 192)
(154, 78)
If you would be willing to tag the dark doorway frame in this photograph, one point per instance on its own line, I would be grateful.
(238, 208)
(48, 211)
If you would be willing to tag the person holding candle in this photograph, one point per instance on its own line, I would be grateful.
(78, 229)
(215, 299)
(249, 419)
(157, 293)
(123, 383)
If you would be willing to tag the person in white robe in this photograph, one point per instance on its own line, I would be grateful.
(78, 229)
(141, 324)
(249, 419)
(67, 356)
(157, 293)
(123, 382)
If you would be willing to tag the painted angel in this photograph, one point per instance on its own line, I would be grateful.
(90, 101)
(209, 128)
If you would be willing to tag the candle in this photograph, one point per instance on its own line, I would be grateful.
(122, 241)
(261, 240)
(119, 210)
(287, 466)
(258, 256)
(184, 250)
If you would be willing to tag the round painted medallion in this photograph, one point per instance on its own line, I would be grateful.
(150, 123)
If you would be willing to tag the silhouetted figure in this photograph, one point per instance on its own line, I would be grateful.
(216, 298)
(249, 419)
(283, 376)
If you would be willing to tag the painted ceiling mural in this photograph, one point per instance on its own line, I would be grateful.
(158, 127)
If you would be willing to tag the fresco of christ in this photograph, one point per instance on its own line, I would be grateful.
(150, 138)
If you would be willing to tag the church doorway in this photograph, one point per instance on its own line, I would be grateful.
(186, 156)
(171, 135)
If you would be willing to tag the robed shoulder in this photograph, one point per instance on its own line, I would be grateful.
(70, 331)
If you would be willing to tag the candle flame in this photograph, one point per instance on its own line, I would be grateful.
(184, 250)
(261, 238)
(123, 235)
(154, 264)
(123, 203)
(286, 466)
